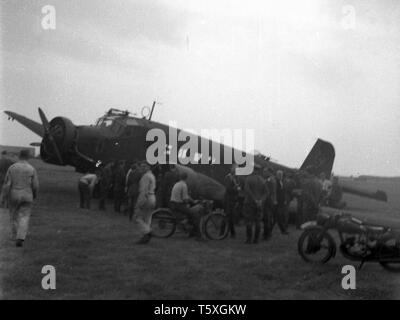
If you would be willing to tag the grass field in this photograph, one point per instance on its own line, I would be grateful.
(95, 256)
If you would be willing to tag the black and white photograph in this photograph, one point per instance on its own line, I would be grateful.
(181, 150)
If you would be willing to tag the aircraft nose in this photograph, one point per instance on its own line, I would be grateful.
(58, 140)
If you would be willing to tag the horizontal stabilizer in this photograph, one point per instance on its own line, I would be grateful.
(35, 144)
(362, 190)
(377, 195)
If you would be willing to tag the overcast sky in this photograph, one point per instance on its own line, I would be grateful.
(291, 70)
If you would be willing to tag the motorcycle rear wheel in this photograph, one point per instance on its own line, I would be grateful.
(163, 223)
(314, 241)
(390, 249)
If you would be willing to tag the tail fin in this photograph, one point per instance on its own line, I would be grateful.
(320, 159)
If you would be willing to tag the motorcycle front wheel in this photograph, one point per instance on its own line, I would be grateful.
(215, 226)
(316, 246)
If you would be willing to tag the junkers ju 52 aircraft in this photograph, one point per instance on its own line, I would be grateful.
(118, 135)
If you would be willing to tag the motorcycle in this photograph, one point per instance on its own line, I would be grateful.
(213, 224)
(358, 241)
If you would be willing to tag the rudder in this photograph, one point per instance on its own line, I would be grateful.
(320, 159)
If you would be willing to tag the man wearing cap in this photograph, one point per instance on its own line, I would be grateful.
(20, 187)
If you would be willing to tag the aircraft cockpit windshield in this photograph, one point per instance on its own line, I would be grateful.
(111, 122)
(104, 122)
(119, 122)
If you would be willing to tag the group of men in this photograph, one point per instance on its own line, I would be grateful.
(134, 193)
(263, 199)
(136, 188)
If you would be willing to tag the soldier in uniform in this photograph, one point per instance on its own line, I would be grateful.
(20, 187)
(232, 189)
(255, 194)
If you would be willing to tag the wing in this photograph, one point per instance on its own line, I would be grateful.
(34, 126)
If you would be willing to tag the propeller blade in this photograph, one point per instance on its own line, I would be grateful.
(46, 127)
(45, 122)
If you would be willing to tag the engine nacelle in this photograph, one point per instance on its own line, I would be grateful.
(63, 132)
